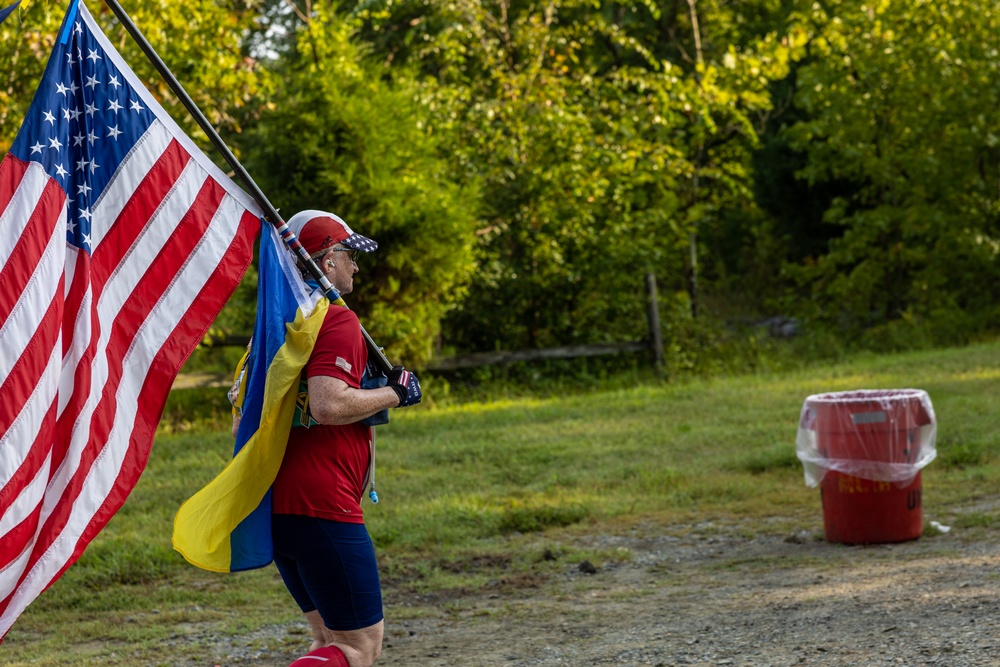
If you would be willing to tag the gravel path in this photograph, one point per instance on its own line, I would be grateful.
(726, 601)
(712, 597)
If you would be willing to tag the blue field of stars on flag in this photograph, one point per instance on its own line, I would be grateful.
(82, 123)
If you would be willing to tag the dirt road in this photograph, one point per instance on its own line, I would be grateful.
(723, 600)
(706, 595)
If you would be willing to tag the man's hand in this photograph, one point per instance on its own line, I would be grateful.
(406, 385)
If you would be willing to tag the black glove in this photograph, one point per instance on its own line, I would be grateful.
(406, 385)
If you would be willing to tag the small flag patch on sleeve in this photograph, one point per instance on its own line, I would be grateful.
(343, 363)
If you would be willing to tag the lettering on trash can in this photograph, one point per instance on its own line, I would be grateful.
(913, 499)
(849, 484)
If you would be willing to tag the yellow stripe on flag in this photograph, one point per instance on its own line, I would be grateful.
(203, 524)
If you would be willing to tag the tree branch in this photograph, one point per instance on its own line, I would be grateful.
(303, 16)
(696, 32)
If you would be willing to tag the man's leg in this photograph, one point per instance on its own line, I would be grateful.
(362, 647)
(316, 629)
(335, 575)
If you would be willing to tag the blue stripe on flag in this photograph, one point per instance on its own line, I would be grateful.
(250, 542)
(226, 526)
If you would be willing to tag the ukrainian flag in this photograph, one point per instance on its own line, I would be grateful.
(226, 527)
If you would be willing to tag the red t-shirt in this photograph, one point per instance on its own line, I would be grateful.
(325, 468)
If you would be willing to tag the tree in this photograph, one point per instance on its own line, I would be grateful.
(901, 99)
(342, 137)
(601, 142)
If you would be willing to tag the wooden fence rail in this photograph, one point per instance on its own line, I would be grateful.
(505, 357)
(653, 343)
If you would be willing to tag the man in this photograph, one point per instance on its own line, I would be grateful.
(321, 546)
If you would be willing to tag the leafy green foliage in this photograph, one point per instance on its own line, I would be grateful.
(587, 126)
(523, 164)
(343, 139)
(900, 98)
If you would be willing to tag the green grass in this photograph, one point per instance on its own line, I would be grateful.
(467, 490)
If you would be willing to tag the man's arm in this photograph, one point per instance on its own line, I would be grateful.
(333, 401)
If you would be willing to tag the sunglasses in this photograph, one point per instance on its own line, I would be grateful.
(354, 253)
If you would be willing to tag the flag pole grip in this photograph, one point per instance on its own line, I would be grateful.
(270, 213)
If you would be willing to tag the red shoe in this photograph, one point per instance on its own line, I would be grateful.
(328, 656)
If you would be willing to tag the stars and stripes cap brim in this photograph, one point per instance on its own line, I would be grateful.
(319, 230)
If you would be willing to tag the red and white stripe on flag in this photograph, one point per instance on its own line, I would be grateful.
(120, 242)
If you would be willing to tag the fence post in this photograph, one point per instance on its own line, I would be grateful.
(653, 319)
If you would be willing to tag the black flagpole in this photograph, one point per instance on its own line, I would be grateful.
(270, 212)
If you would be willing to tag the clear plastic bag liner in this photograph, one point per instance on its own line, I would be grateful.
(884, 435)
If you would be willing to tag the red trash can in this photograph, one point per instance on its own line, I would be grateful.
(865, 450)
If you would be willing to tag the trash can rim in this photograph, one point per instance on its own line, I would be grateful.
(866, 395)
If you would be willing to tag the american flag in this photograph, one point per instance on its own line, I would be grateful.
(120, 242)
